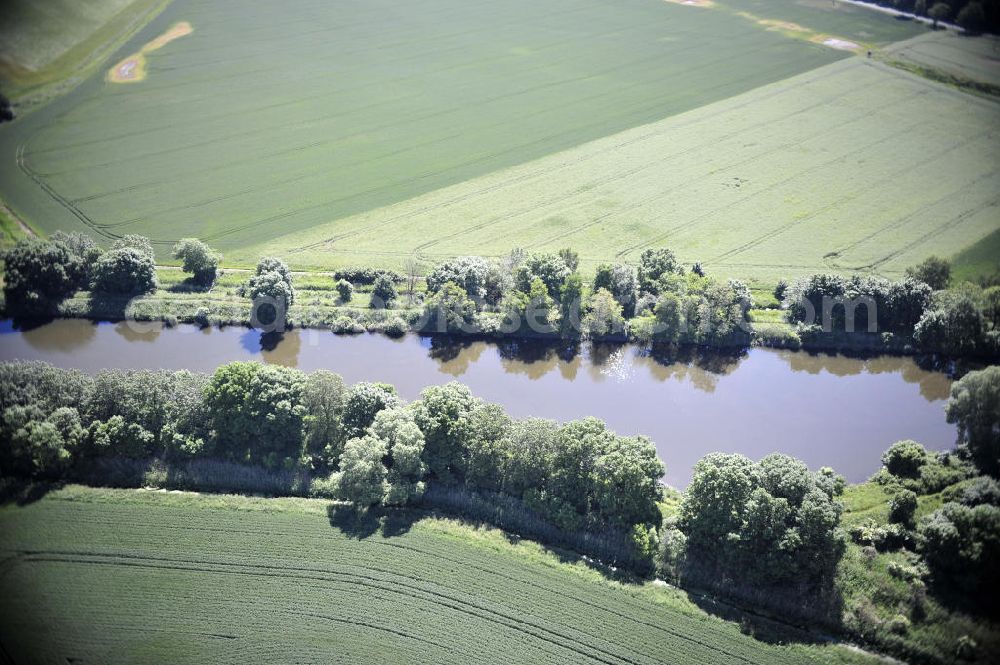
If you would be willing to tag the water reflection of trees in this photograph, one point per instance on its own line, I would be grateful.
(59, 335)
(932, 374)
(139, 331)
(281, 348)
(703, 367)
(455, 354)
(536, 358)
(274, 348)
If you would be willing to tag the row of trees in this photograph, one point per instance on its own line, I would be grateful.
(656, 300)
(370, 445)
(975, 16)
(964, 319)
(546, 294)
(38, 274)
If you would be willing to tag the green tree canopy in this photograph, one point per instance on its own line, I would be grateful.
(443, 415)
(974, 406)
(125, 270)
(39, 274)
(362, 402)
(768, 523)
(362, 475)
(256, 412)
(469, 272)
(932, 271)
(653, 265)
(604, 316)
(383, 292)
(198, 259)
(550, 268)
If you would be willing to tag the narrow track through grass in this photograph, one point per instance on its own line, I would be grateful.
(126, 576)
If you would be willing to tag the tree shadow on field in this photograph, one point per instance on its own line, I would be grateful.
(801, 614)
(24, 492)
(189, 285)
(361, 524)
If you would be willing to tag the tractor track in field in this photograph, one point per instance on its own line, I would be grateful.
(872, 184)
(773, 186)
(506, 619)
(540, 171)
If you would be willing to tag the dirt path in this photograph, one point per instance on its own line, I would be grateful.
(27, 230)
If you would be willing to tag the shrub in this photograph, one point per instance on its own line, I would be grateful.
(395, 327)
(776, 336)
(961, 545)
(198, 259)
(978, 491)
(367, 275)
(902, 571)
(345, 290)
(898, 624)
(383, 293)
(904, 459)
(345, 325)
(902, 506)
(779, 290)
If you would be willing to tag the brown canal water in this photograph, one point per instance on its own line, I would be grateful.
(829, 410)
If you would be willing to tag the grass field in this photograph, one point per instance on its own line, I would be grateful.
(302, 115)
(975, 59)
(853, 166)
(363, 133)
(135, 577)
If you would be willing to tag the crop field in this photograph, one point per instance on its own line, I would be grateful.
(853, 166)
(368, 132)
(123, 576)
(258, 125)
(975, 59)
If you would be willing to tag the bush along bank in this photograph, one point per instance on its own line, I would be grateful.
(657, 301)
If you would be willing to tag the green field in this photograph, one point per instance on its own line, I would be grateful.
(854, 166)
(145, 577)
(364, 133)
(303, 119)
(974, 59)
